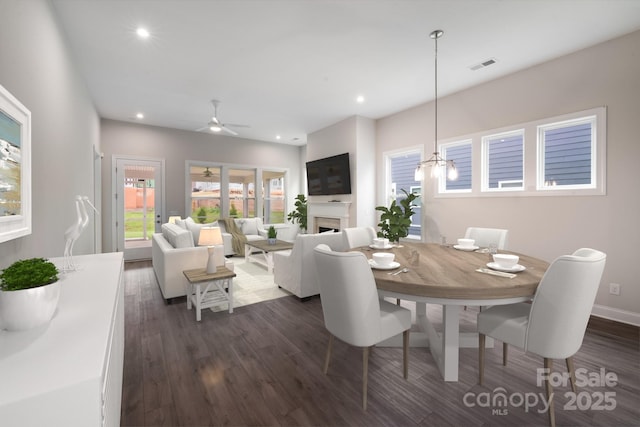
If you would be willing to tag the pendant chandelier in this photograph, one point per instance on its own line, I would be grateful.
(439, 166)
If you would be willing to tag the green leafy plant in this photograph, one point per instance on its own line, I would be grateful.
(299, 215)
(233, 211)
(28, 273)
(201, 215)
(396, 219)
(271, 232)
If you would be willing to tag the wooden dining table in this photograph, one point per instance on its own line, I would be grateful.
(443, 275)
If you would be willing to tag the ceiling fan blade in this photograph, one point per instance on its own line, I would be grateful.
(226, 129)
(202, 128)
(235, 125)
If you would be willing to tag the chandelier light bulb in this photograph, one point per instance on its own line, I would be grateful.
(453, 173)
(436, 170)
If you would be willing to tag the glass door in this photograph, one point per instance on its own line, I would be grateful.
(139, 206)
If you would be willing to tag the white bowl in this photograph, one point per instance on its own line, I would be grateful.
(506, 260)
(383, 258)
(466, 243)
(381, 243)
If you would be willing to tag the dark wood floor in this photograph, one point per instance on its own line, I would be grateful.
(262, 366)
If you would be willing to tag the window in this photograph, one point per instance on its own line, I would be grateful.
(216, 190)
(556, 156)
(460, 153)
(400, 171)
(242, 193)
(503, 161)
(205, 193)
(566, 154)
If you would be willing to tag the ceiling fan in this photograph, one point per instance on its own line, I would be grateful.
(207, 173)
(215, 125)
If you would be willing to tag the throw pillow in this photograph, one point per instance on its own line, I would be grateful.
(248, 225)
(195, 228)
(177, 236)
(182, 223)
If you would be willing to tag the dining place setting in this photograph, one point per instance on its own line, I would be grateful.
(500, 264)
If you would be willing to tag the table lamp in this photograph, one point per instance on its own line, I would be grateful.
(212, 238)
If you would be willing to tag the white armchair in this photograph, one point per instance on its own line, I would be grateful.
(485, 237)
(355, 237)
(553, 325)
(352, 311)
(294, 270)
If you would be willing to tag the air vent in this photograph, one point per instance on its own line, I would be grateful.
(483, 64)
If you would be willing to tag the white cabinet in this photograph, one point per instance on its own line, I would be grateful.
(69, 372)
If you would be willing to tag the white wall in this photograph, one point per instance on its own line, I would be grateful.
(364, 174)
(176, 147)
(546, 227)
(355, 135)
(36, 67)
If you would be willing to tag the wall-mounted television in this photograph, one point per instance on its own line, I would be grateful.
(331, 175)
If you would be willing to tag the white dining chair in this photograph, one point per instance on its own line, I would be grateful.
(352, 311)
(485, 237)
(554, 323)
(354, 237)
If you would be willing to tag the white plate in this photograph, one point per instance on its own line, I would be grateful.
(389, 246)
(516, 268)
(391, 266)
(466, 248)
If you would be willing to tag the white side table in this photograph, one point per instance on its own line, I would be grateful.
(213, 293)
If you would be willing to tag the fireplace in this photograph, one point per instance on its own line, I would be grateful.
(323, 224)
(325, 216)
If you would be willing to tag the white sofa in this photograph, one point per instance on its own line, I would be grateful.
(172, 252)
(194, 228)
(254, 229)
(295, 269)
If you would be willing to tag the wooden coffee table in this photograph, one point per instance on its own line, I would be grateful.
(209, 296)
(263, 255)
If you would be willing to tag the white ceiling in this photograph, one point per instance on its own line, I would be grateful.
(290, 68)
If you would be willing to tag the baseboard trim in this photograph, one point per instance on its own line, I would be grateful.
(610, 321)
(622, 316)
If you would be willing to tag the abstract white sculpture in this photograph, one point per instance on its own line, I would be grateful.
(73, 232)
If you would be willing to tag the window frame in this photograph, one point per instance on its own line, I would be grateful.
(225, 200)
(541, 182)
(442, 183)
(484, 166)
(390, 190)
(531, 168)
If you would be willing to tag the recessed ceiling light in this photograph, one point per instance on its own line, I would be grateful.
(139, 116)
(360, 99)
(277, 136)
(143, 33)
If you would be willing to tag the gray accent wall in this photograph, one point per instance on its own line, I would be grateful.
(36, 67)
(547, 227)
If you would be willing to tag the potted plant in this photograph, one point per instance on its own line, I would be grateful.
(396, 219)
(299, 215)
(29, 292)
(272, 235)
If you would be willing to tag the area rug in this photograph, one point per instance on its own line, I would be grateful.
(251, 285)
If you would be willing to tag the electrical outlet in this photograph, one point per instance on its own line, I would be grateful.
(614, 288)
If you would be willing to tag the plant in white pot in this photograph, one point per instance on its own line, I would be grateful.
(29, 292)
(272, 235)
